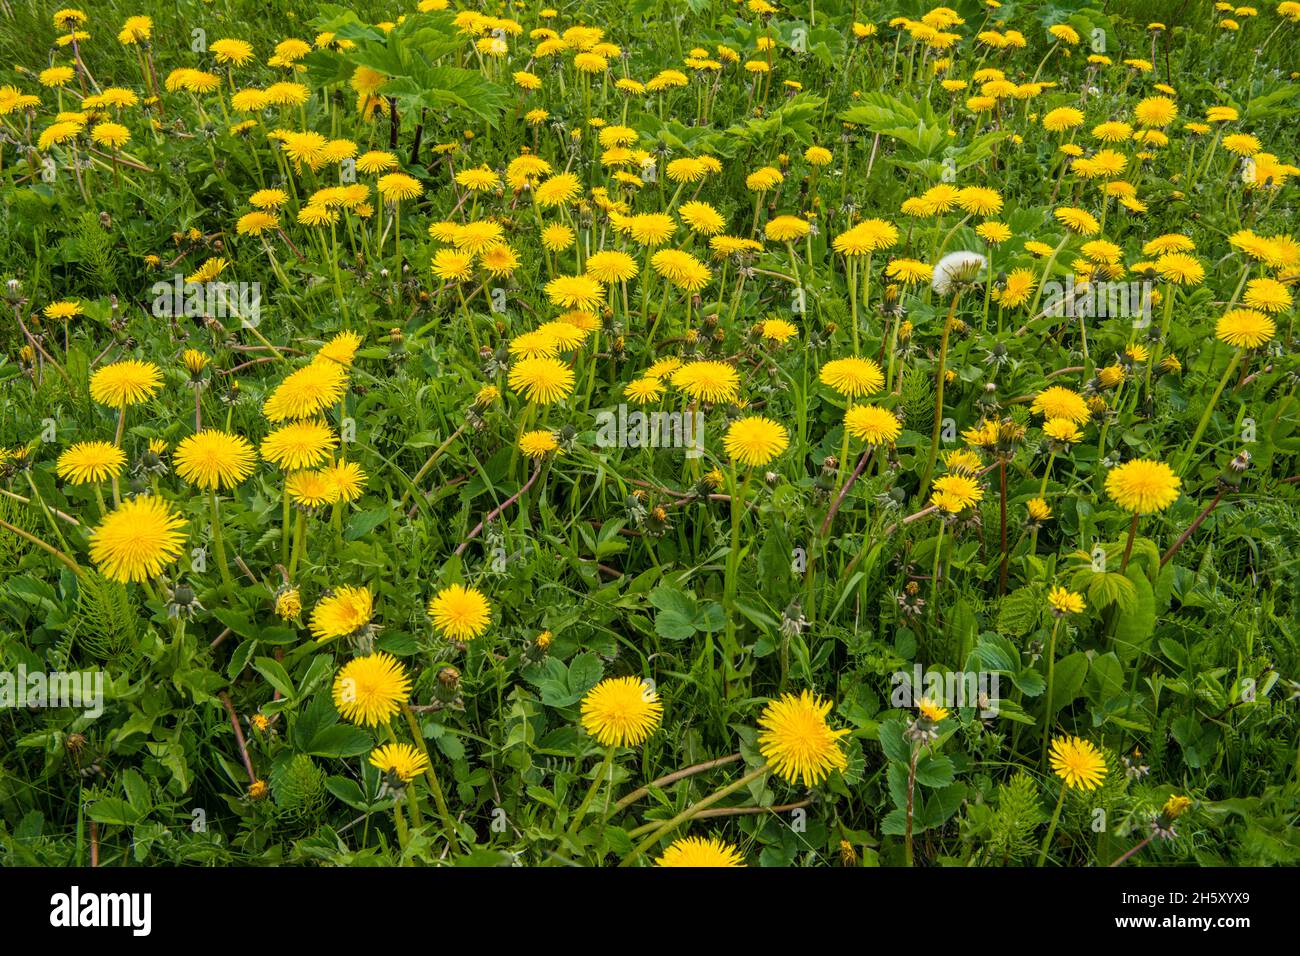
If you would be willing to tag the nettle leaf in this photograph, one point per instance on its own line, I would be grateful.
(878, 111)
(997, 653)
(585, 672)
(793, 119)
(977, 150)
(1105, 588)
(1020, 611)
(367, 521)
(444, 87)
(895, 823)
(239, 660)
(896, 779)
(137, 791)
(1105, 677)
(312, 719)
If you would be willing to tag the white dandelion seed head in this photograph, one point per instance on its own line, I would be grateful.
(956, 267)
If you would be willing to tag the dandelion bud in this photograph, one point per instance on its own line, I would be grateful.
(288, 605)
(448, 686)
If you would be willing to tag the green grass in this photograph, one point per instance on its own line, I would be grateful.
(723, 590)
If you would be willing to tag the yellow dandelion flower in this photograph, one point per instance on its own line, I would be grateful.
(1244, 328)
(755, 440)
(1058, 402)
(342, 613)
(955, 492)
(1141, 486)
(299, 445)
(853, 377)
(700, 852)
(621, 711)
(541, 380)
(125, 383)
(538, 443)
(871, 424)
(137, 540)
(309, 488)
(797, 742)
(405, 761)
(213, 459)
(707, 381)
(346, 478)
(306, 392)
(371, 690)
(1063, 601)
(1077, 762)
(90, 461)
(460, 613)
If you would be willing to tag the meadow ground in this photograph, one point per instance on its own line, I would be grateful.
(688, 433)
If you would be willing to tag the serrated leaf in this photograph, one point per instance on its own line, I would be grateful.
(275, 675)
(934, 771)
(1019, 612)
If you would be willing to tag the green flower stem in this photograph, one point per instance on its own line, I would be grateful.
(591, 792)
(399, 821)
(525, 419)
(853, 298)
(661, 829)
(1190, 451)
(866, 291)
(1128, 548)
(1042, 488)
(909, 852)
(738, 489)
(417, 818)
(284, 525)
(1099, 476)
(1047, 269)
(893, 346)
(938, 553)
(1160, 343)
(45, 510)
(1051, 829)
(469, 317)
(424, 469)
(1051, 675)
(218, 541)
(275, 352)
(448, 825)
(299, 541)
(938, 394)
(71, 564)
